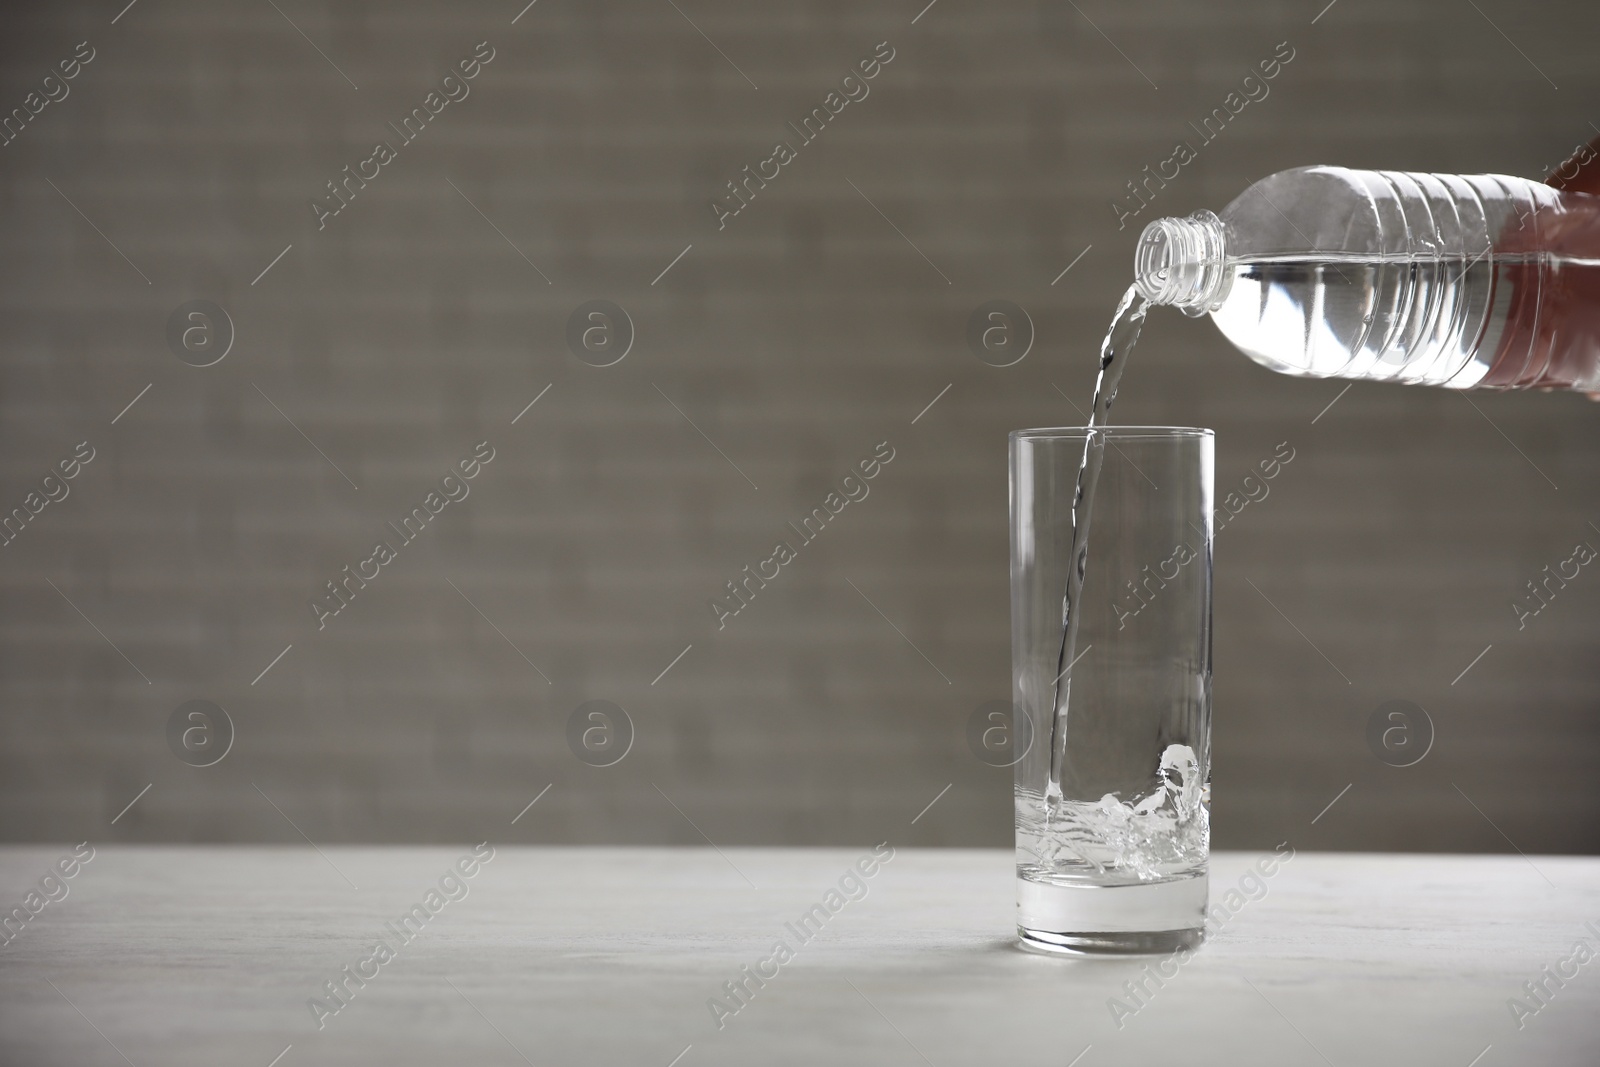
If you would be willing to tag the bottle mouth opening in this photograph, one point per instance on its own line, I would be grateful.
(1179, 262)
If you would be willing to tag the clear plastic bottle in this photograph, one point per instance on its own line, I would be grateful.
(1479, 281)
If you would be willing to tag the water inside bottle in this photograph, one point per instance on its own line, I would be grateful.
(1505, 321)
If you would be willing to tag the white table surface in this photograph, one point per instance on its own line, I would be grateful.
(209, 955)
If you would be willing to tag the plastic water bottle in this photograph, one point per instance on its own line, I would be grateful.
(1464, 281)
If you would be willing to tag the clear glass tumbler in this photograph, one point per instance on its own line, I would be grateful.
(1113, 794)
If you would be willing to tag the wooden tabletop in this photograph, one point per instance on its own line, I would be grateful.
(223, 955)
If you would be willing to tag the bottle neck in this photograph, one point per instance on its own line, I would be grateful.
(1179, 263)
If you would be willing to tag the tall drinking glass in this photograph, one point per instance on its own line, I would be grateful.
(1113, 793)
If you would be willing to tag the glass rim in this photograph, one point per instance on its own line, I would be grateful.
(1078, 433)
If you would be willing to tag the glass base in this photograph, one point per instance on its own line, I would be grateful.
(1154, 943)
(1084, 920)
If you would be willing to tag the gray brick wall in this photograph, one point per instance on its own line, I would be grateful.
(186, 155)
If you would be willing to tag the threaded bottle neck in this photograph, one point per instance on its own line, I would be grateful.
(1179, 262)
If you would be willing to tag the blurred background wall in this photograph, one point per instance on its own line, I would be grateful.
(373, 352)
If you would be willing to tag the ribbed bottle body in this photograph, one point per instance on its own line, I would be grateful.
(1437, 279)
